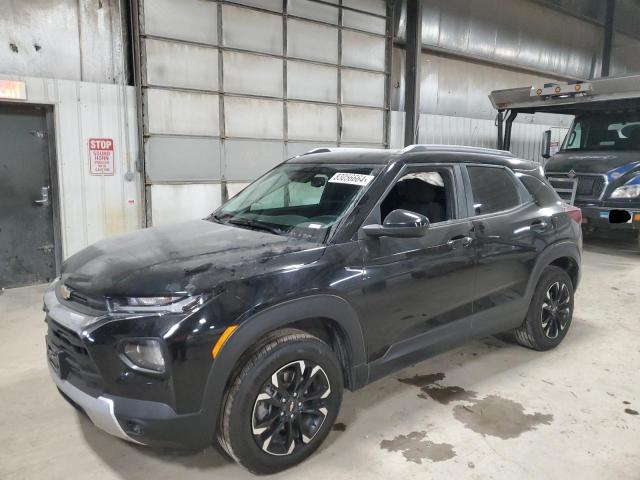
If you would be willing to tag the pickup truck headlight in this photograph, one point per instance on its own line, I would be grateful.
(626, 191)
(169, 303)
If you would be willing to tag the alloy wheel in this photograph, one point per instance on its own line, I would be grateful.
(556, 310)
(291, 407)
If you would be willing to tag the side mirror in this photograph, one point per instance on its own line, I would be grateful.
(400, 223)
(546, 144)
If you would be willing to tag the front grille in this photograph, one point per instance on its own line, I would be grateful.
(589, 187)
(73, 356)
(81, 301)
(87, 301)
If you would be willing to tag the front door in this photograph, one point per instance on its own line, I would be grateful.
(27, 253)
(418, 293)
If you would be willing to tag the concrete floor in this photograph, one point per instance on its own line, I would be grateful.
(486, 410)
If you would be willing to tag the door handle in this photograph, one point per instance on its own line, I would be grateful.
(539, 226)
(43, 201)
(460, 240)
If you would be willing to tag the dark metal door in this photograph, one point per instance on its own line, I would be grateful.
(27, 253)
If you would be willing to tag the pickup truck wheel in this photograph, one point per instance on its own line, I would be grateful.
(550, 313)
(282, 404)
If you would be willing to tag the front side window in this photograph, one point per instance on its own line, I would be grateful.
(494, 190)
(610, 131)
(428, 192)
(303, 200)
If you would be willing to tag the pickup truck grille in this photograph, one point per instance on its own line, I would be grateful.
(589, 186)
(74, 360)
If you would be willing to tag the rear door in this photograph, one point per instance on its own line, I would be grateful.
(27, 253)
(510, 231)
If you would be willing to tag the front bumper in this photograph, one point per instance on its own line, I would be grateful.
(140, 421)
(601, 218)
(99, 410)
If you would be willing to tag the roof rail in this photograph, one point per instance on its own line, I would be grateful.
(458, 148)
(336, 149)
(318, 150)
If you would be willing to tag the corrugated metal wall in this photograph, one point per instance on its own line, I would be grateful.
(515, 33)
(91, 207)
(66, 39)
(231, 89)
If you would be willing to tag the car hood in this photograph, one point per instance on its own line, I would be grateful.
(593, 162)
(193, 257)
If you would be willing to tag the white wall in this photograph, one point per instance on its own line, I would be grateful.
(91, 207)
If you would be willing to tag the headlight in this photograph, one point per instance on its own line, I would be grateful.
(626, 191)
(171, 303)
(144, 354)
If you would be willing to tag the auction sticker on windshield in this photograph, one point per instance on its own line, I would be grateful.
(351, 178)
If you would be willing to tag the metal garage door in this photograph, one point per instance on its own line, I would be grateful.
(230, 89)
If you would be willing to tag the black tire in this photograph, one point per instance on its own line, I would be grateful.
(265, 435)
(550, 313)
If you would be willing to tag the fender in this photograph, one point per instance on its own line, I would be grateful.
(548, 256)
(277, 316)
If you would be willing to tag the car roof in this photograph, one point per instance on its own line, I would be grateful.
(414, 154)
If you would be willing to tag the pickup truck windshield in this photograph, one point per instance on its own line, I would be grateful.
(617, 131)
(298, 200)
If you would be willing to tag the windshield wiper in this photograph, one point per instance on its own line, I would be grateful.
(254, 225)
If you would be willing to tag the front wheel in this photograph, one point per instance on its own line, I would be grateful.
(282, 403)
(550, 313)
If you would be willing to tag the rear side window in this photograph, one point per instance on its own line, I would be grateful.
(494, 190)
(543, 193)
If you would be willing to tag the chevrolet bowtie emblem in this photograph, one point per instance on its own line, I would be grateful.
(572, 174)
(65, 292)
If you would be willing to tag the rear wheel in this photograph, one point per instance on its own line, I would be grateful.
(550, 313)
(282, 403)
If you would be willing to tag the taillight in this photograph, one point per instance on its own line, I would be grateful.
(574, 213)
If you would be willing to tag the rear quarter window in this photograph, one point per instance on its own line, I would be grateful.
(495, 189)
(540, 190)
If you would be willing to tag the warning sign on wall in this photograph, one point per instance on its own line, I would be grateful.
(101, 156)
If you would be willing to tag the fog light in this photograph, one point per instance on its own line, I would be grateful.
(145, 354)
(133, 428)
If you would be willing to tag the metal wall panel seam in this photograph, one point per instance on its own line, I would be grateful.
(387, 83)
(55, 100)
(83, 189)
(273, 12)
(102, 179)
(221, 103)
(351, 8)
(123, 134)
(339, 87)
(264, 54)
(140, 72)
(285, 51)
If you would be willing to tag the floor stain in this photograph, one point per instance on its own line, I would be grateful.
(499, 417)
(443, 394)
(630, 411)
(339, 427)
(415, 448)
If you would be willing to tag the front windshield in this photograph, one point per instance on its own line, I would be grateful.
(298, 199)
(605, 131)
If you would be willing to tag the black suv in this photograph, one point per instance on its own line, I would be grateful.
(334, 269)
